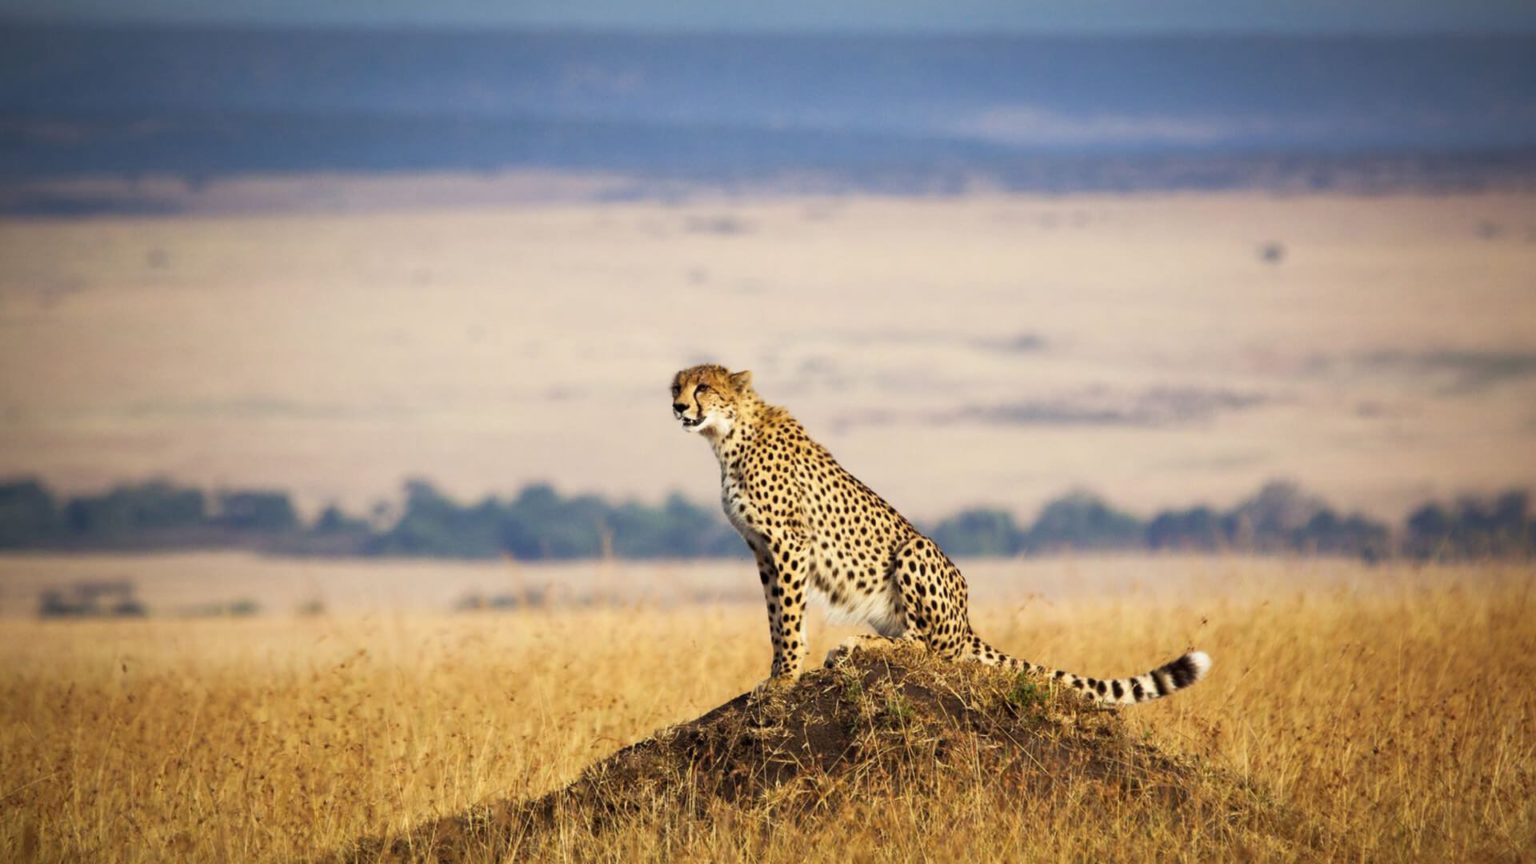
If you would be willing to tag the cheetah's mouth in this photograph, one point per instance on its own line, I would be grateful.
(690, 424)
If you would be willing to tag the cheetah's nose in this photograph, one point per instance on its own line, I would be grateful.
(679, 407)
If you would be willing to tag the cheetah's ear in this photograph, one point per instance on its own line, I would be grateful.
(742, 381)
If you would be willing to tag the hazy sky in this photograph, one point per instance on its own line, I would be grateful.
(1374, 16)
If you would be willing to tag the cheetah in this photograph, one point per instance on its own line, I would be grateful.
(815, 530)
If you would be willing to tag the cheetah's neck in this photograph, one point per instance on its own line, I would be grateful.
(747, 426)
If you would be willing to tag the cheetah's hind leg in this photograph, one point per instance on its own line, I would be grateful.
(863, 642)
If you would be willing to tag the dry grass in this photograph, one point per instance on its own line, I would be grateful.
(882, 732)
(1391, 719)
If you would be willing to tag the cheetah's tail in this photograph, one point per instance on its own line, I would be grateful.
(1165, 680)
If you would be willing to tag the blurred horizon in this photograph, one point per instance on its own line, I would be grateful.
(325, 254)
(1310, 17)
(662, 117)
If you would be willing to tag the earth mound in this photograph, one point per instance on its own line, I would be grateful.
(842, 744)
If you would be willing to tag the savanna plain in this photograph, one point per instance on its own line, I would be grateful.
(1167, 349)
(1377, 713)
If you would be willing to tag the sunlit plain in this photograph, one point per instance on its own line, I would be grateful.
(1166, 349)
(1389, 707)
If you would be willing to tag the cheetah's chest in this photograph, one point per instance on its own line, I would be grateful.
(738, 508)
(755, 502)
(760, 501)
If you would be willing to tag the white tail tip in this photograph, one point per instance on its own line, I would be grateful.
(1202, 663)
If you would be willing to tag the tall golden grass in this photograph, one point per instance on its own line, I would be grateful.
(1393, 713)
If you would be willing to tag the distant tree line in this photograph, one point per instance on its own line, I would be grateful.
(1279, 518)
(539, 523)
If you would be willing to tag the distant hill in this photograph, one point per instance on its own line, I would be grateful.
(903, 112)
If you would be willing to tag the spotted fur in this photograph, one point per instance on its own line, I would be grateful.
(815, 529)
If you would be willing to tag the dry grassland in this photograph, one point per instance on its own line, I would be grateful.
(1387, 719)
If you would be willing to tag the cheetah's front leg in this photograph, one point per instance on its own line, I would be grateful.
(782, 570)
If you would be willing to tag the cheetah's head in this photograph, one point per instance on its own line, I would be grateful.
(707, 399)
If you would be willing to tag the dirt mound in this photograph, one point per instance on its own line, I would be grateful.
(880, 727)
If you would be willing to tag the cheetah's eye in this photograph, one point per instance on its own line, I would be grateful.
(676, 389)
(703, 388)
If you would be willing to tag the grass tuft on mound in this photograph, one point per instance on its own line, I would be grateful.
(895, 755)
